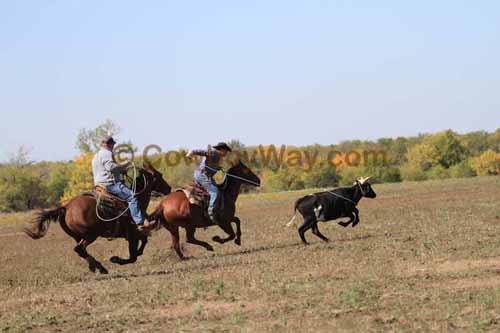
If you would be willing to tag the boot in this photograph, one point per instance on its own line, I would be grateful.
(213, 218)
(148, 225)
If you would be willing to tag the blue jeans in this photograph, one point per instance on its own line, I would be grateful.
(212, 189)
(124, 193)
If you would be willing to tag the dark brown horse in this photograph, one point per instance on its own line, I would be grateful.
(78, 218)
(176, 211)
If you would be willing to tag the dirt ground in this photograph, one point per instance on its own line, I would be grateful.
(426, 256)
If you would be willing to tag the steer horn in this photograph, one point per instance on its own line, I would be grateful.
(363, 180)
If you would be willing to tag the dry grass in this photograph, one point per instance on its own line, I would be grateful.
(426, 256)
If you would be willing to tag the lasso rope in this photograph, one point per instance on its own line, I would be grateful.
(231, 175)
(134, 188)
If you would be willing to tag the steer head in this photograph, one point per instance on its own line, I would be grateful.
(366, 187)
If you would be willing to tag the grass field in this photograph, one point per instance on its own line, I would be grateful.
(426, 256)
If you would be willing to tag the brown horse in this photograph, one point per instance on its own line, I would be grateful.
(78, 218)
(176, 211)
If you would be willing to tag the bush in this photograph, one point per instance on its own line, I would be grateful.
(462, 170)
(438, 172)
(283, 179)
(412, 172)
(21, 188)
(487, 164)
(59, 175)
(81, 178)
(321, 177)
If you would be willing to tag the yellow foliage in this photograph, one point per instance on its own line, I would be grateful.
(487, 164)
(423, 155)
(81, 178)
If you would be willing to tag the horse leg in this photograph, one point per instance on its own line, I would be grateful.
(140, 250)
(174, 232)
(315, 230)
(133, 242)
(192, 240)
(228, 229)
(308, 223)
(81, 249)
(236, 221)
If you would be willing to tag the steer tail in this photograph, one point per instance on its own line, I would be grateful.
(292, 221)
(42, 221)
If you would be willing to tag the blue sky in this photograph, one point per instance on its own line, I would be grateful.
(189, 73)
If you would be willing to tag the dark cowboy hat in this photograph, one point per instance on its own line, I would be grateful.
(108, 140)
(222, 145)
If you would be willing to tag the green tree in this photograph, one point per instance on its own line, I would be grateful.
(21, 184)
(90, 140)
(321, 176)
(450, 149)
(285, 179)
(57, 183)
(475, 142)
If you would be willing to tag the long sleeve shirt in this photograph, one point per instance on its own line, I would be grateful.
(210, 162)
(105, 169)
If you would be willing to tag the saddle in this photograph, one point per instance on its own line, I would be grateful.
(196, 195)
(109, 205)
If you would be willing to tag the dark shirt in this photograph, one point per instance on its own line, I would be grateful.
(210, 162)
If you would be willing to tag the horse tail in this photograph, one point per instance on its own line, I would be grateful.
(157, 215)
(297, 203)
(42, 220)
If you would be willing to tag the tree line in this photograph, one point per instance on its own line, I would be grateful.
(26, 185)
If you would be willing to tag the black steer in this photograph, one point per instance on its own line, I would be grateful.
(331, 205)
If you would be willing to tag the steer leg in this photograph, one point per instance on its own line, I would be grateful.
(308, 223)
(352, 218)
(315, 230)
(356, 219)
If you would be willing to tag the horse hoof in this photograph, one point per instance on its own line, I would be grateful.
(344, 224)
(115, 260)
(103, 271)
(217, 239)
(355, 224)
(210, 248)
(238, 242)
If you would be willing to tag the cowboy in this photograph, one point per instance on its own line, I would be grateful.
(107, 174)
(209, 165)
